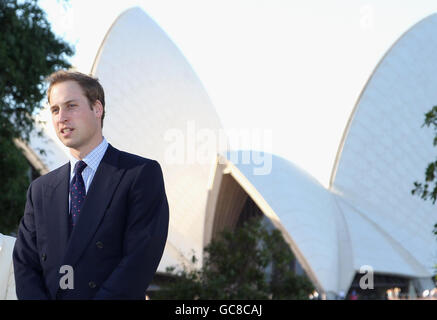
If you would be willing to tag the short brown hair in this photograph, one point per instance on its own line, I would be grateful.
(91, 87)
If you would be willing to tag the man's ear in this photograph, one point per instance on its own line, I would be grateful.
(98, 108)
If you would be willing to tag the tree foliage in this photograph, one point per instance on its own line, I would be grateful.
(29, 52)
(427, 190)
(249, 263)
(13, 191)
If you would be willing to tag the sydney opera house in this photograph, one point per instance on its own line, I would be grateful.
(366, 220)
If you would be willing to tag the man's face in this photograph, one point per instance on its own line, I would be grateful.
(76, 124)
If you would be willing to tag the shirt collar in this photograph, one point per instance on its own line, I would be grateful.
(92, 159)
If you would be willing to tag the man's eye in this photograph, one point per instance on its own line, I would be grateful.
(54, 110)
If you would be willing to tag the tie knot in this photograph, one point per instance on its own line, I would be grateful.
(78, 168)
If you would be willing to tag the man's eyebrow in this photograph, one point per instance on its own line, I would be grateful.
(66, 102)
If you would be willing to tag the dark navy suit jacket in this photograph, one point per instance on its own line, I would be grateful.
(114, 249)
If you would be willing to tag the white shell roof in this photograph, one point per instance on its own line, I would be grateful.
(384, 149)
(374, 247)
(368, 217)
(307, 214)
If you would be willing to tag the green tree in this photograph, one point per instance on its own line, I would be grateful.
(427, 190)
(249, 263)
(29, 52)
(12, 199)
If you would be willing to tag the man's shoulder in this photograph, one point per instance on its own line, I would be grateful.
(130, 160)
(139, 167)
(52, 176)
(143, 171)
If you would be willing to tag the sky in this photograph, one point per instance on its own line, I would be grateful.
(294, 68)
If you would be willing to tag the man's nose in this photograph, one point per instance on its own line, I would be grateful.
(62, 115)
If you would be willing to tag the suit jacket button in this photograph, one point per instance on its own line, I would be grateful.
(44, 257)
(99, 244)
(91, 284)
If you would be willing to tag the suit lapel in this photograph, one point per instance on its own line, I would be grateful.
(56, 210)
(98, 197)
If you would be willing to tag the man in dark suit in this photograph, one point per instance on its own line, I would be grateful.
(96, 227)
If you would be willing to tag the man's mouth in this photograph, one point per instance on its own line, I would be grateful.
(66, 131)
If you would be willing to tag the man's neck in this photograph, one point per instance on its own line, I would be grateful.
(85, 150)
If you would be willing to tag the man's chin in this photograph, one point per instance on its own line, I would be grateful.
(68, 143)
